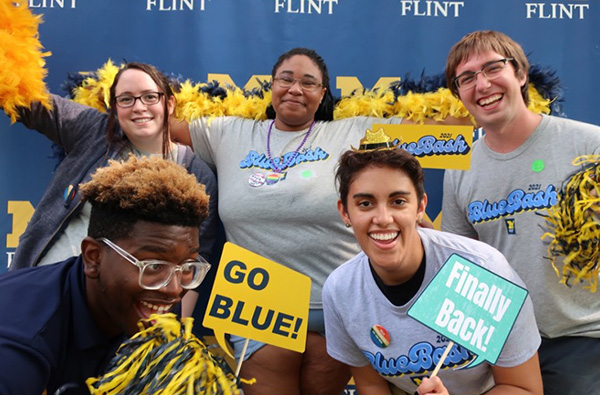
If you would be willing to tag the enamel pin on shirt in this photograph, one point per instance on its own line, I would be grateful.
(272, 178)
(256, 179)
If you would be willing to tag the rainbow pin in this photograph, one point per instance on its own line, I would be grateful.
(272, 178)
(380, 336)
(69, 193)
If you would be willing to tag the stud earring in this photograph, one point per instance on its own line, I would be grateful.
(347, 224)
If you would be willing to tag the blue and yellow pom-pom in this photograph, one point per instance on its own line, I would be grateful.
(164, 358)
(574, 226)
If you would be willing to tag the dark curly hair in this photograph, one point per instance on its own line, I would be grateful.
(353, 162)
(326, 107)
(148, 189)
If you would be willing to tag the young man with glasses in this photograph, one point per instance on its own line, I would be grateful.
(517, 170)
(140, 257)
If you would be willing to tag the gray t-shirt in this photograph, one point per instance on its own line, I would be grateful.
(353, 304)
(293, 219)
(498, 202)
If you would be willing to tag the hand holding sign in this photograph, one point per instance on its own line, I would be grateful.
(256, 298)
(471, 306)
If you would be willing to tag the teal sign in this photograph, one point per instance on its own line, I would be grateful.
(471, 306)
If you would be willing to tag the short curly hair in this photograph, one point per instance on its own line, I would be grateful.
(352, 163)
(148, 189)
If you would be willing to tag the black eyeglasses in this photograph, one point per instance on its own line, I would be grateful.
(306, 83)
(150, 98)
(155, 274)
(490, 70)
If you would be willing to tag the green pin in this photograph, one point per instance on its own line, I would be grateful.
(538, 165)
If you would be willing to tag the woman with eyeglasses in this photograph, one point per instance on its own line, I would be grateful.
(141, 103)
(278, 199)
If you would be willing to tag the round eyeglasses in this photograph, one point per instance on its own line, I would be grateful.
(150, 98)
(155, 274)
(306, 83)
(490, 70)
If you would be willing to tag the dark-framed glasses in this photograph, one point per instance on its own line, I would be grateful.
(155, 274)
(490, 70)
(149, 98)
(306, 83)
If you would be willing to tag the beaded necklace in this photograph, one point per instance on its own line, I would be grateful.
(275, 167)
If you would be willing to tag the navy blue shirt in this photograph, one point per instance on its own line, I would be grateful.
(48, 337)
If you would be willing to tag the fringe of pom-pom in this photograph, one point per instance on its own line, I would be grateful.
(164, 358)
(574, 226)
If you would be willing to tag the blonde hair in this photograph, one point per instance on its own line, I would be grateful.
(148, 189)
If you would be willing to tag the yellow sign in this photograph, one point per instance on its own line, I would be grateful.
(256, 298)
(435, 146)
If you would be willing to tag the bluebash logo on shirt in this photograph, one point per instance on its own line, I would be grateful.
(516, 202)
(430, 145)
(261, 161)
(422, 357)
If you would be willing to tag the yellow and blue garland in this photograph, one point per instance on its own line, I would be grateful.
(408, 99)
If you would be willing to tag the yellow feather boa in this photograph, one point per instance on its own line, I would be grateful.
(21, 59)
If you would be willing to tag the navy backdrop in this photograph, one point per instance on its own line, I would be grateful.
(241, 38)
